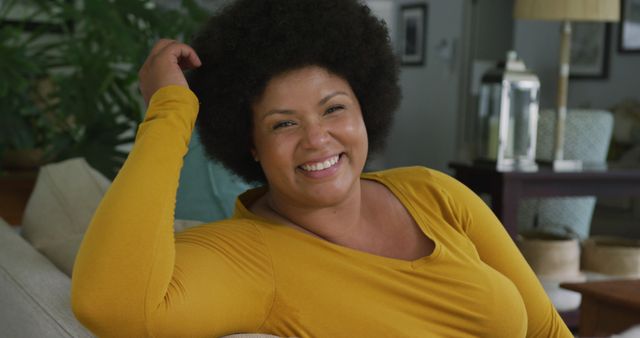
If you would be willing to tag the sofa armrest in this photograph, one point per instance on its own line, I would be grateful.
(34, 294)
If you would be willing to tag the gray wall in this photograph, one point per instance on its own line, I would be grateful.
(492, 29)
(434, 123)
(538, 44)
(490, 36)
(425, 128)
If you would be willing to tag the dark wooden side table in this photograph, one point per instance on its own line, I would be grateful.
(15, 189)
(608, 307)
(508, 188)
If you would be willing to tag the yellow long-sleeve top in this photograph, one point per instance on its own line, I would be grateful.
(134, 278)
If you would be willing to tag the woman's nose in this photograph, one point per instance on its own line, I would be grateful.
(315, 135)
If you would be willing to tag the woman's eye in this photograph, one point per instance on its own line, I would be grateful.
(283, 124)
(333, 109)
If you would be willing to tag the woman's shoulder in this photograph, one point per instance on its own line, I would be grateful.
(415, 176)
(232, 232)
(427, 189)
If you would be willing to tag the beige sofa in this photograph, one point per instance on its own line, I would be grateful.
(36, 259)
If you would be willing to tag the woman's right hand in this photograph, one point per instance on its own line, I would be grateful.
(165, 65)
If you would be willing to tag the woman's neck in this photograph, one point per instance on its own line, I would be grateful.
(339, 223)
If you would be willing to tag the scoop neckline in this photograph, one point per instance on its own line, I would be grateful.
(363, 255)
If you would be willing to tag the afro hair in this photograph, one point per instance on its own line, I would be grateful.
(249, 42)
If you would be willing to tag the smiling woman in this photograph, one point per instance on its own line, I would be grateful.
(295, 94)
(342, 37)
(309, 138)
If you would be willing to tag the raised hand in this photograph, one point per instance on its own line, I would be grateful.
(165, 65)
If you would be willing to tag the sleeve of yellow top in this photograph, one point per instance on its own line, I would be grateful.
(126, 259)
(496, 248)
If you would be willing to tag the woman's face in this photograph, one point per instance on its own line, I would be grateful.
(309, 137)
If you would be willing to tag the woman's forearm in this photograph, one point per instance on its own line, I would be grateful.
(126, 259)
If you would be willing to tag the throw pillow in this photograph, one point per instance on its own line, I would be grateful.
(64, 198)
(67, 194)
(207, 190)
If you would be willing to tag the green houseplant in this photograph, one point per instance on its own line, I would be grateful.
(89, 106)
(24, 127)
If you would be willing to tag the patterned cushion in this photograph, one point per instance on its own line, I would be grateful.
(587, 137)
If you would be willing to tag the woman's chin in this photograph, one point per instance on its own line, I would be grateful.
(328, 194)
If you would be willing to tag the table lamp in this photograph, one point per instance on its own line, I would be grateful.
(566, 11)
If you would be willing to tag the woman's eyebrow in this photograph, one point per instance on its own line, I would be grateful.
(277, 111)
(328, 97)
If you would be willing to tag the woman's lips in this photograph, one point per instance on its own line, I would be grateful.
(321, 165)
(322, 169)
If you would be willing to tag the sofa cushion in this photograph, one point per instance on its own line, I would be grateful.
(207, 190)
(63, 201)
(34, 294)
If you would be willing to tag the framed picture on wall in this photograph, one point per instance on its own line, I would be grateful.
(629, 31)
(589, 50)
(413, 34)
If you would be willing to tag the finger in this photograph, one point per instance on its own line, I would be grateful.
(194, 58)
(185, 56)
(160, 45)
(189, 61)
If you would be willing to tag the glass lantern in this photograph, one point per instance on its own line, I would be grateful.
(508, 116)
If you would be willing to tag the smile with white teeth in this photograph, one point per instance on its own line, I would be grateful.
(321, 165)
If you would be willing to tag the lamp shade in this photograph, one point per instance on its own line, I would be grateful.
(568, 10)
